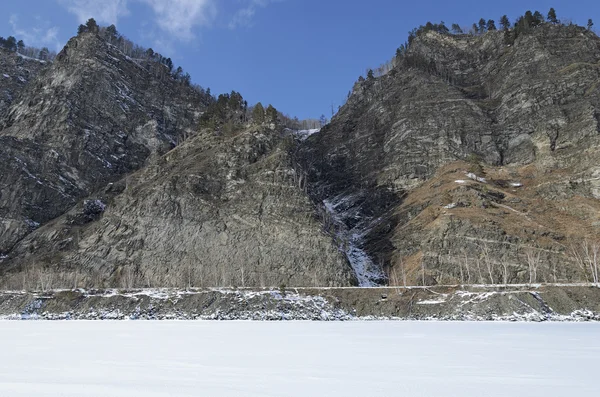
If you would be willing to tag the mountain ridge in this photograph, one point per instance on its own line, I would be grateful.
(466, 163)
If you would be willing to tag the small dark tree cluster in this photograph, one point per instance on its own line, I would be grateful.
(271, 114)
(484, 26)
(258, 113)
(112, 36)
(92, 209)
(552, 16)
(14, 45)
(456, 29)
(9, 43)
(524, 24)
(428, 27)
(90, 26)
(228, 111)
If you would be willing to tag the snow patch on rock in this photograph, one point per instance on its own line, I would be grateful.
(474, 177)
(304, 134)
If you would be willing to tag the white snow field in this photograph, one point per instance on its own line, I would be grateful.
(197, 358)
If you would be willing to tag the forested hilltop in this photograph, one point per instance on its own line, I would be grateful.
(522, 25)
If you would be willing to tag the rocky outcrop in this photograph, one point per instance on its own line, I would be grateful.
(90, 117)
(530, 111)
(15, 73)
(219, 210)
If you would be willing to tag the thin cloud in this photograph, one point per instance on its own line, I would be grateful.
(105, 11)
(244, 16)
(40, 35)
(175, 17)
(179, 17)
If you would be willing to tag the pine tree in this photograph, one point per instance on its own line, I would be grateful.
(21, 45)
(322, 120)
(44, 54)
(81, 29)
(504, 22)
(491, 25)
(92, 26)
(178, 73)
(11, 43)
(529, 20)
(552, 16)
(111, 33)
(509, 38)
(456, 29)
(475, 28)
(370, 74)
(482, 25)
(186, 79)
(538, 18)
(271, 114)
(590, 24)
(258, 113)
(169, 64)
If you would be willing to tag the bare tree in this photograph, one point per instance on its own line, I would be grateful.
(243, 275)
(485, 253)
(189, 273)
(504, 264)
(467, 268)
(587, 256)
(45, 279)
(478, 261)
(394, 274)
(462, 274)
(128, 278)
(533, 262)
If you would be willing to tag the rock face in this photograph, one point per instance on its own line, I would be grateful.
(530, 111)
(217, 210)
(15, 72)
(471, 162)
(90, 117)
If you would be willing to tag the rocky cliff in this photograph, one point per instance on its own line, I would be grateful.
(124, 188)
(471, 161)
(392, 160)
(90, 117)
(15, 72)
(217, 210)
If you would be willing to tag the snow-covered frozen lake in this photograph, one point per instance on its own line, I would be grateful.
(144, 358)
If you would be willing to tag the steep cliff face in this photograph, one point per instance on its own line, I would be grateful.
(216, 211)
(106, 180)
(87, 119)
(123, 188)
(529, 110)
(15, 72)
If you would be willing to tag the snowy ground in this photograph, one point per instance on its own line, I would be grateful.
(298, 359)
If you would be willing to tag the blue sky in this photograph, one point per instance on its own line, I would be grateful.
(300, 55)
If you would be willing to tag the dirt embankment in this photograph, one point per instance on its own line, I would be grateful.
(485, 303)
